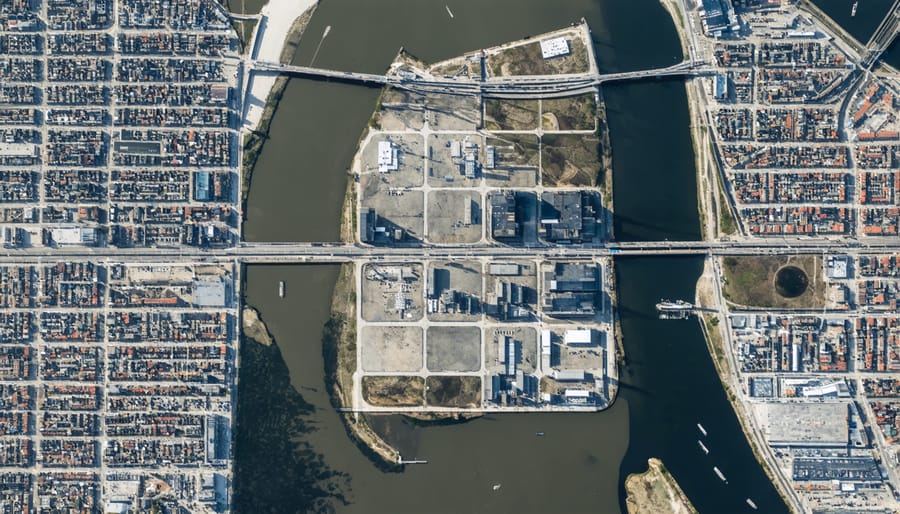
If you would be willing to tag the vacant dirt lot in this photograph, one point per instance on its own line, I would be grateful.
(510, 114)
(574, 113)
(527, 60)
(570, 160)
(391, 348)
(450, 391)
(453, 349)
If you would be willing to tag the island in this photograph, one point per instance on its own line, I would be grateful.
(476, 190)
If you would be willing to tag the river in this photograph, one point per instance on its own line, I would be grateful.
(292, 454)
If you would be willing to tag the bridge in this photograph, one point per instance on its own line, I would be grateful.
(335, 252)
(496, 87)
(883, 36)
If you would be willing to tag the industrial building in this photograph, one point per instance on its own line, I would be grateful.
(569, 216)
(570, 290)
(714, 16)
(367, 226)
(579, 337)
(387, 157)
(820, 425)
(504, 219)
(556, 47)
(73, 236)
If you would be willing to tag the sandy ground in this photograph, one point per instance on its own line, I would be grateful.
(277, 17)
(655, 491)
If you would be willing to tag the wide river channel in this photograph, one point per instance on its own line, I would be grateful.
(292, 453)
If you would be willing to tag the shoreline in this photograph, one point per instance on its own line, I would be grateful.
(716, 341)
(270, 42)
(255, 133)
(339, 341)
(708, 196)
(654, 490)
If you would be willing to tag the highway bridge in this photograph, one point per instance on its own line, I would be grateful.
(883, 36)
(498, 87)
(331, 252)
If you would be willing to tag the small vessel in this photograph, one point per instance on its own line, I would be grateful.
(496, 486)
(702, 430)
(448, 10)
(539, 434)
(281, 289)
(669, 309)
(703, 447)
(853, 9)
(677, 305)
(751, 504)
(719, 472)
(414, 461)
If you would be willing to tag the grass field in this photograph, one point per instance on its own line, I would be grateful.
(750, 281)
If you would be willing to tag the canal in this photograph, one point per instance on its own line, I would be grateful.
(292, 453)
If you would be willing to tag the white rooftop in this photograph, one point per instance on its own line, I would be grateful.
(554, 47)
(73, 236)
(18, 149)
(579, 336)
(387, 157)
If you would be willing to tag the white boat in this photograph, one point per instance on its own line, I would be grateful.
(495, 487)
(281, 289)
(853, 9)
(702, 430)
(703, 447)
(669, 305)
(719, 472)
(751, 504)
(448, 10)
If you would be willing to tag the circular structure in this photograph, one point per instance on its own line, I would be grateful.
(791, 281)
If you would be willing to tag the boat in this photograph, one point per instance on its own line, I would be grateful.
(281, 289)
(414, 461)
(449, 11)
(853, 9)
(703, 447)
(496, 486)
(539, 434)
(702, 430)
(751, 504)
(677, 305)
(719, 472)
(674, 314)
(669, 309)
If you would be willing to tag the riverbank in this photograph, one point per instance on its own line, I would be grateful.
(254, 327)
(606, 163)
(339, 353)
(715, 332)
(281, 22)
(716, 221)
(258, 114)
(655, 490)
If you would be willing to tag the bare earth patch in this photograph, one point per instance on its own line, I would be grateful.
(569, 159)
(391, 349)
(394, 391)
(452, 391)
(656, 491)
